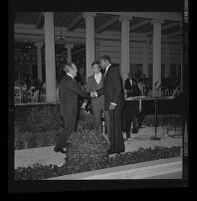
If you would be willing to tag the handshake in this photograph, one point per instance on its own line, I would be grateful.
(93, 94)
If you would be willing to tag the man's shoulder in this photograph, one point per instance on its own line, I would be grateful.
(114, 68)
(90, 78)
(65, 79)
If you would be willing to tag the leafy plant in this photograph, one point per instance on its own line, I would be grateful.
(84, 162)
(38, 119)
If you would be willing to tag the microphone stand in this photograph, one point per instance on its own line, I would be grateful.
(155, 137)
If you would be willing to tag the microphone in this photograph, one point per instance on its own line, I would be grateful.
(156, 83)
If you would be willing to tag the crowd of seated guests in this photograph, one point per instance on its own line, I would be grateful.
(137, 85)
(34, 90)
(31, 90)
(140, 85)
(170, 86)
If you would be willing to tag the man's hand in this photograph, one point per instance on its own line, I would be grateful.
(93, 94)
(112, 106)
(84, 105)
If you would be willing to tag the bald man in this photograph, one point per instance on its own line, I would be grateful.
(69, 91)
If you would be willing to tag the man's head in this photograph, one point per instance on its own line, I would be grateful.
(130, 76)
(105, 61)
(71, 68)
(96, 67)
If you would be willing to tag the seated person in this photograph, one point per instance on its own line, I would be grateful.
(132, 90)
(131, 86)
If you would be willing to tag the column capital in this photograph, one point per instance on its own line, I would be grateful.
(48, 12)
(155, 21)
(86, 14)
(123, 17)
(38, 44)
(69, 46)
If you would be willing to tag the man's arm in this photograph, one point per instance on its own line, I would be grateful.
(126, 86)
(73, 86)
(116, 85)
(100, 91)
(88, 89)
(88, 84)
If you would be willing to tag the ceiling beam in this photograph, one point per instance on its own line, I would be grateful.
(138, 25)
(75, 22)
(168, 26)
(107, 24)
(163, 28)
(40, 21)
(174, 34)
(171, 16)
(30, 33)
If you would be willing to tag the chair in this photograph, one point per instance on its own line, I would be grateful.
(167, 92)
(149, 93)
(176, 130)
(17, 95)
(177, 125)
(34, 96)
(176, 91)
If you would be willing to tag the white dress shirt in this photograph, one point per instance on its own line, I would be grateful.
(107, 69)
(70, 75)
(131, 82)
(98, 77)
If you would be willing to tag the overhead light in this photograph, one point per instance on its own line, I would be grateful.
(28, 46)
(26, 49)
(61, 37)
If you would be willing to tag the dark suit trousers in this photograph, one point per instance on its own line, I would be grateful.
(115, 137)
(70, 121)
(137, 121)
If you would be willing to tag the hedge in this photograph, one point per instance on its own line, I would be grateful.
(39, 126)
(38, 172)
(47, 118)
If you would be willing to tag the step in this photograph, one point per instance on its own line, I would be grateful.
(143, 170)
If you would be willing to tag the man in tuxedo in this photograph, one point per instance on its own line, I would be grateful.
(69, 92)
(113, 102)
(132, 90)
(94, 83)
(131, 86)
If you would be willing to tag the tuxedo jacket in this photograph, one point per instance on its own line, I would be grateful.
(69, 91)
(134, 90)
(112, 88)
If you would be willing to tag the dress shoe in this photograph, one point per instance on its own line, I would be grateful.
(56, 149)
(135, 131)
(110, 152)
(67, 144)
(125, 139)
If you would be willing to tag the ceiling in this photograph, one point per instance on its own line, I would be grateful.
(65, 19)
(103, 22)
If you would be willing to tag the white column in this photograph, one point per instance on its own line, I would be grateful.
(69, 56)
(125, 46)
(145, 63)
(39, 59)
(50, 57)
(90, 41)
(156, 54)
